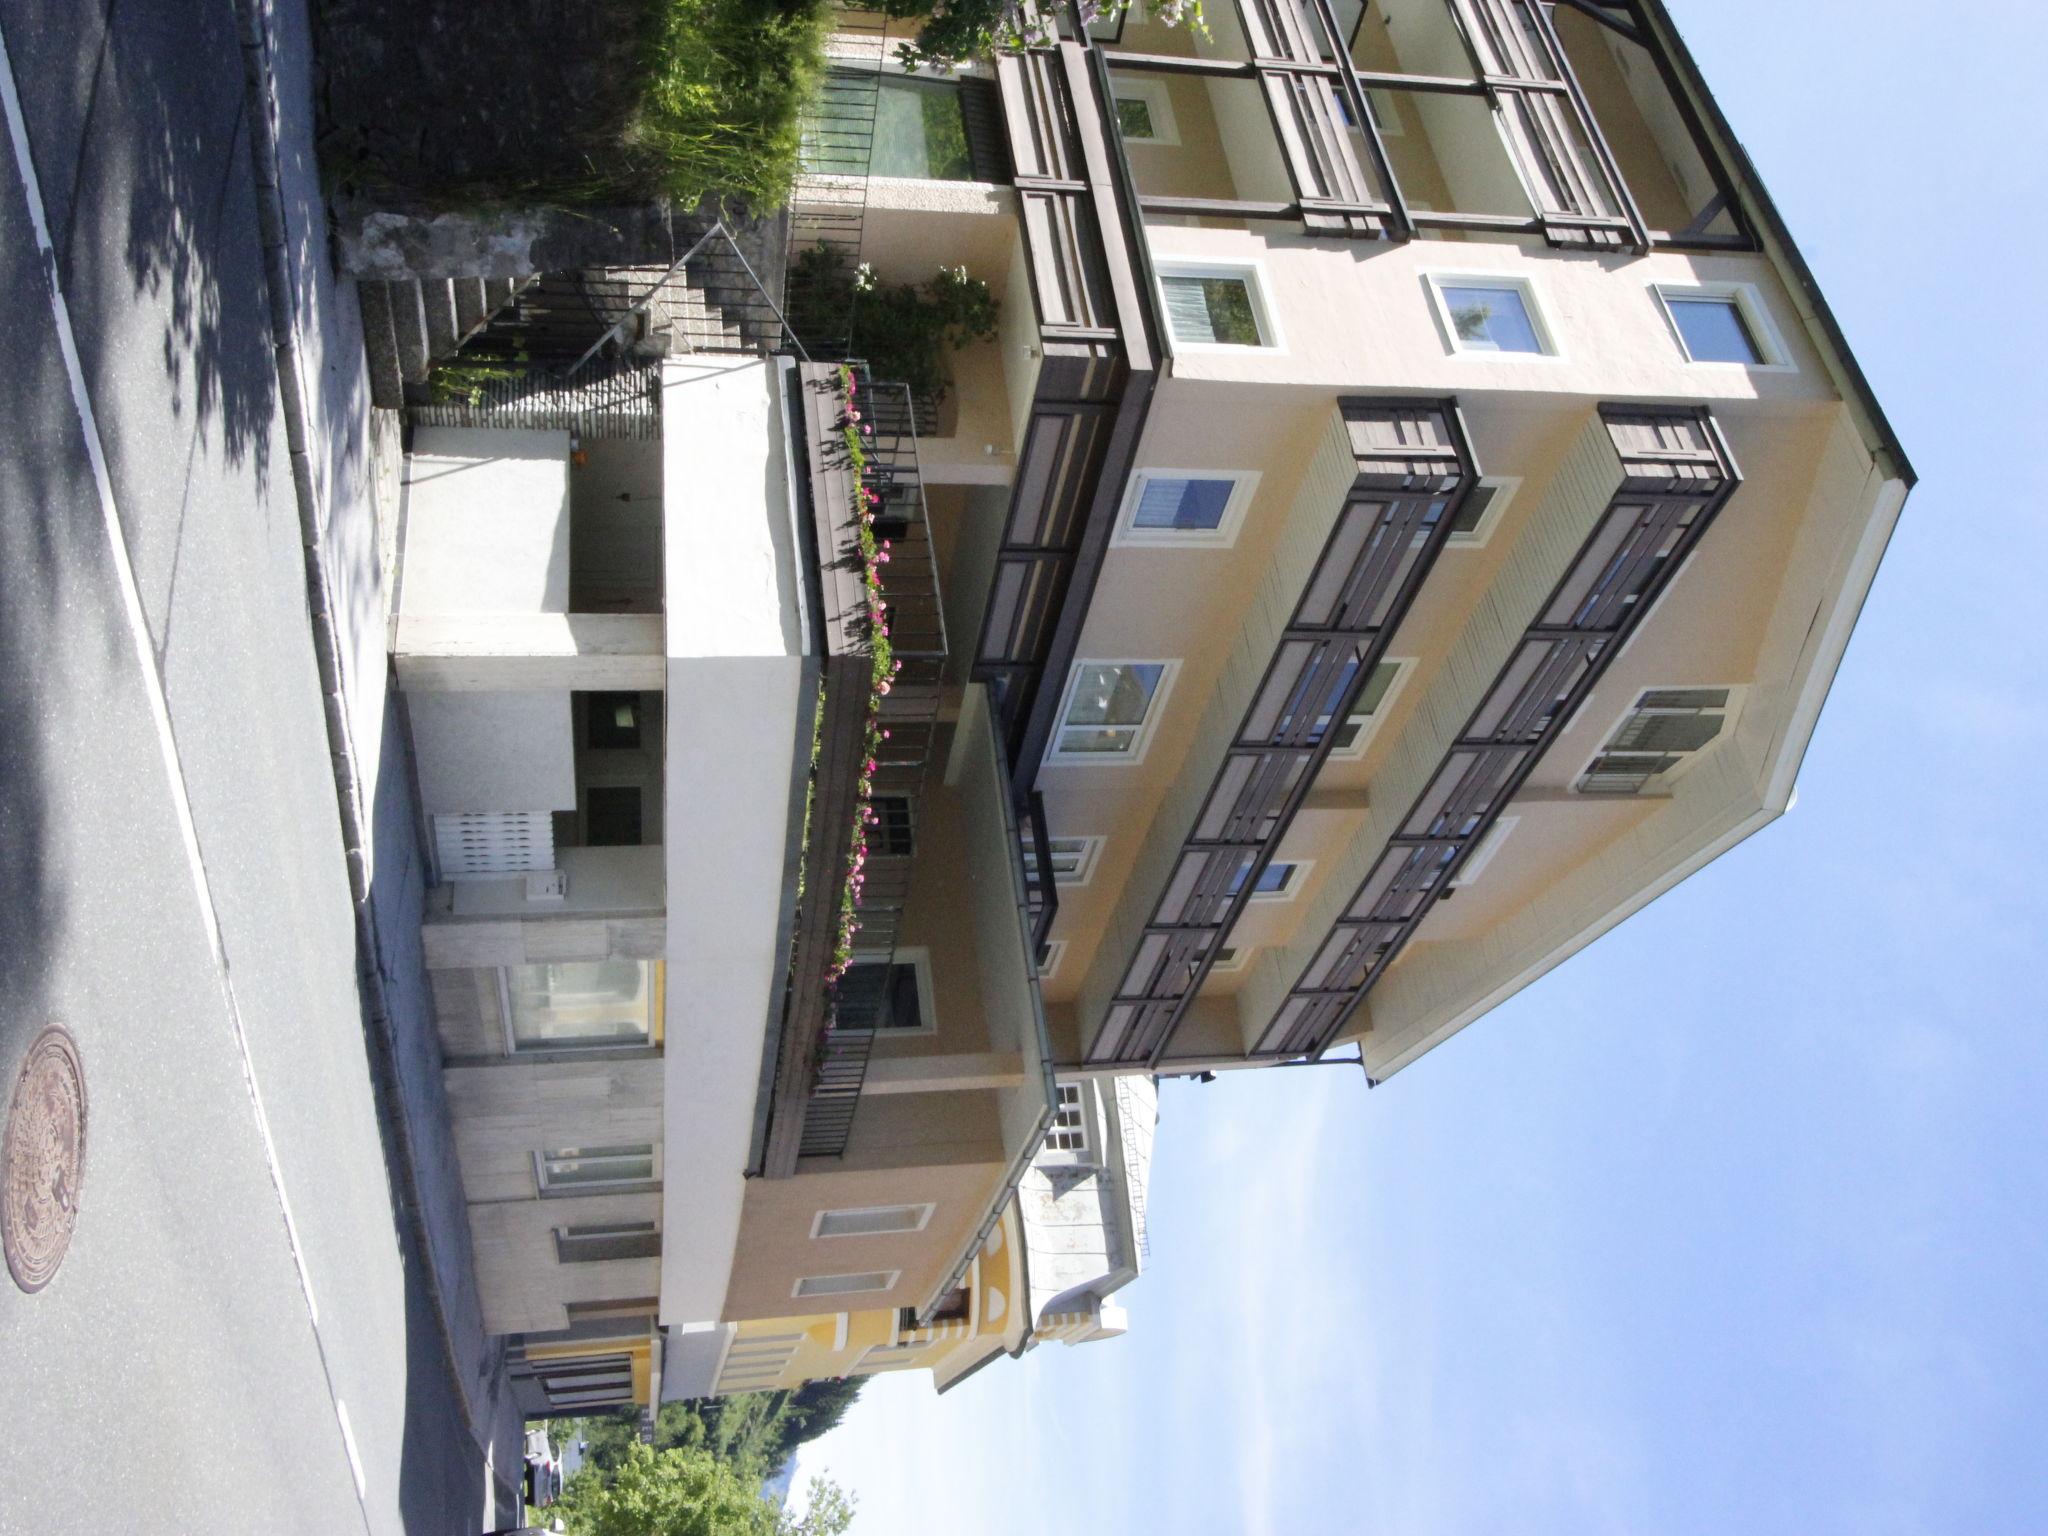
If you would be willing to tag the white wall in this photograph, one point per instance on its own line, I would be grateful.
(494, 751)
(735, 682)
(487, 522)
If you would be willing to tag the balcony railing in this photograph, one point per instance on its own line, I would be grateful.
(822, 1061)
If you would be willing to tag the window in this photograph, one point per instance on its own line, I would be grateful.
(1216, 307)
(846, 1285)
(1055, 952)
(594, 1245)
(1111, 708)
(1480, 512)
(891, 832)
(1371, 706)
(920, 130)
(1144, 111)
(612, 722)
(612, 816)
(871, 1221)
(1185, 507)
(1278, 881)
(1231, 957)
(1073, 859)
(1659, 735)
(893, 995)
(1722, 323)
(1490, 314)
(1069, 1132)
(580, 1004)
(580, 1170)
(1489, 845)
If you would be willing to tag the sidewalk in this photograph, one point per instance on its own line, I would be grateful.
(340, 477)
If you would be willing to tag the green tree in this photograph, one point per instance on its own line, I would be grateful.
(689, 1493)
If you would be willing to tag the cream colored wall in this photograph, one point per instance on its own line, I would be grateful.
(1367, 322)
(776, 1248)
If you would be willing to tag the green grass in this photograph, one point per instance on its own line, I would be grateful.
(725, 84)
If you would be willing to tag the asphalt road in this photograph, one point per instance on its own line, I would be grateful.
(194, 1363)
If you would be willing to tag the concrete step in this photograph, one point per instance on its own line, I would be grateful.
(380, 343)
(437, 304)
(409, 323)
(472, 309)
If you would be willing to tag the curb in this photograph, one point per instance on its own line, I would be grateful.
(261, 87)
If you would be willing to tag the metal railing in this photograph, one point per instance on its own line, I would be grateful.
(908, 714)
(828, 209)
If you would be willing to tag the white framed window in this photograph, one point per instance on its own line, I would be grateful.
(1231, 957)
(1370, 708)
(1489, 845)
(613, 1240)
(595, 1170)
(1488, 315)
(1073, 859)
(1111, 710)
(1280, 880)
(1722, 323)
(890, 993)
(569, 1005)
(1480, 512)
(871, 1220)
(1185, 508)
(1067, 1138)
(1055, 952)
(1658, 736)
(1216, 305)
(846, 1285)
(1144, 110)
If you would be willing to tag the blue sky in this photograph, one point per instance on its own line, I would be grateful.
(1738, 1221)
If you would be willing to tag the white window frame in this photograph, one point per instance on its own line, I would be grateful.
(1373, 722)
(1240, 956)
(1055, 952)
(888, 1277)
(919, 958)
(922, 1213)
(1505, 489)
(1082, 1156)
(1532, 305)
(549, 1190)
(1658, 785)
(1295, 881)
(1158, 101)
(1147, 728)
(651, 980)
(1489, 845)
(1091, 851)
(1253, 275)
(596, 1230)
(1748, 300)
(1244, 484)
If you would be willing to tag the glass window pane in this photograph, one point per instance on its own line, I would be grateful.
(1490, 319)
(919, 131)
(1472, 511)
(1182, 504)
(579, 1003)
(1212, 309)
(599, 1165)
(1714, 330)
(1114, 694)
(1134, 117)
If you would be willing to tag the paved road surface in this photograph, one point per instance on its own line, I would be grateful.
(198, 1364)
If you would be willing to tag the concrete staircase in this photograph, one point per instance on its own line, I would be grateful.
(408, 327)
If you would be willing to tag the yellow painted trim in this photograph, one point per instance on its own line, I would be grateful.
(625, 1343)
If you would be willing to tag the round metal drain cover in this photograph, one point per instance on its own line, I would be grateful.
(42, 1166)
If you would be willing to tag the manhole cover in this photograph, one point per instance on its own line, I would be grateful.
(43, 1163)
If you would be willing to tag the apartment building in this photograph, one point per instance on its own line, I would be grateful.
(1410, 517)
